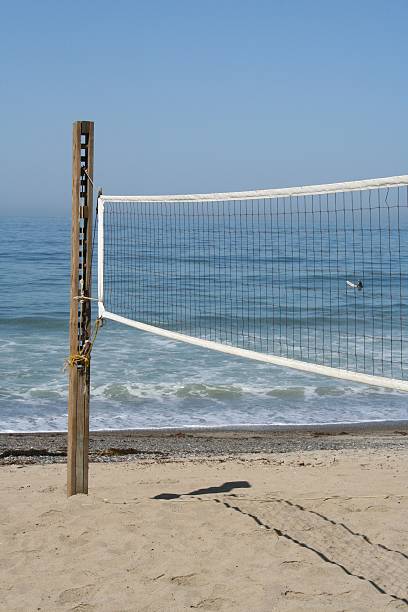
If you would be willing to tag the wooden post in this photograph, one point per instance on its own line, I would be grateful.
(80, 311)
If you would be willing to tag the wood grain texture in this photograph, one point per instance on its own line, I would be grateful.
(80, 311)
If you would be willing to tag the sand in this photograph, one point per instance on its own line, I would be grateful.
(300, 530)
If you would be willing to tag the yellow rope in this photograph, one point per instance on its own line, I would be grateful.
(83, 358)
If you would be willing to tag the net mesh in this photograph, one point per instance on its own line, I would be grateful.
(320, 277)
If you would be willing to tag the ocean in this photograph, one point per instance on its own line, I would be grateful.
(140, 380)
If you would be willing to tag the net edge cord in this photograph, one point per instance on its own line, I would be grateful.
(368, 379)
(100, 251)
(391, 181)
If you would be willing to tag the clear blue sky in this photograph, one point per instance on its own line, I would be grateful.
(206, 95)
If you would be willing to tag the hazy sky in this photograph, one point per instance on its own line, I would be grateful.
(206, 95)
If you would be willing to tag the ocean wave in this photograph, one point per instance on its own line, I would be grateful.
(36, 322)
(200, 404)
(225, 393)
(287, 392)
(127, 393)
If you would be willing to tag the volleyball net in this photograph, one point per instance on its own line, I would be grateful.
(313, 278)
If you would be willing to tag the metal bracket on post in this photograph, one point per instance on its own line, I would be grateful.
(80, 310)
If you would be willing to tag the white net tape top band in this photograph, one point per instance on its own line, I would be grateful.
(308, 190)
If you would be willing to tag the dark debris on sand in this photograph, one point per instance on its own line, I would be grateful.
(133, 445)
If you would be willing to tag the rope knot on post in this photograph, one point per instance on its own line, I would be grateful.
(83, 358)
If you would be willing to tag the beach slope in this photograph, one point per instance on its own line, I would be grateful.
(303, 530)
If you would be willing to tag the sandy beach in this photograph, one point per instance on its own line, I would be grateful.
(310, 528)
